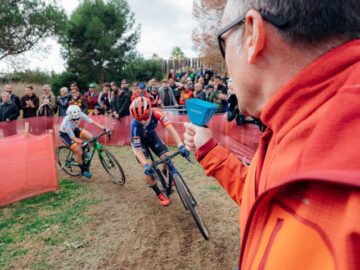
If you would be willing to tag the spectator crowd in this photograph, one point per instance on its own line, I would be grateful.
(171, 93)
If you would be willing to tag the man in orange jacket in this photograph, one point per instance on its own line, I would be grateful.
(296, 66)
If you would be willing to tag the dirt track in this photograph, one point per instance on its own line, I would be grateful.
(132, 230)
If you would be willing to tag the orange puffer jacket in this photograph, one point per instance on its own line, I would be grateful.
(300, 197)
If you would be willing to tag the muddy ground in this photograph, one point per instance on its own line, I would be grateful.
(133, 231)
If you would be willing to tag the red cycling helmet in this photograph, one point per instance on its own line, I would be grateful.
(140, 108)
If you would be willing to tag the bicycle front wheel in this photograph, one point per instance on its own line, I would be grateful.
(67, 161)
(189, 203)
(112, 166)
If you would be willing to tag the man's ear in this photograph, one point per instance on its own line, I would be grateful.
(254, 35)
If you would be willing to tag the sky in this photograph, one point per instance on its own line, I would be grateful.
(165, 24)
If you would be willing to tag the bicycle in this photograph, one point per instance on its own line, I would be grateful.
(67, 161)
(186, 197)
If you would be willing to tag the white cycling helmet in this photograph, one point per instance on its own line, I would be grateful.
(74, 112)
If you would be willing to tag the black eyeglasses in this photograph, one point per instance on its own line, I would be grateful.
(278, 21)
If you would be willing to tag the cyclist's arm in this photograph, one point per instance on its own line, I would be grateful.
(96, 124)
(172, 131)
(159, 115)
(141, 157)
(90, 121)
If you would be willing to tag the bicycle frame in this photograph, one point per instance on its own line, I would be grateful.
(172, 172)
(95, 147)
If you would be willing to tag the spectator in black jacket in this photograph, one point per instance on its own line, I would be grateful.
(120, 104)
(125, 87)
(13, 97)
(199, 92)
(219, 86)
(8, 112)
(63, 101)
(174, 87)
(29, 103)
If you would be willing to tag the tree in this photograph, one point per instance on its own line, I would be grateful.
(208, 14)
(98, 37)
(177, 54)
(156, 57)
(65, 79)
(24, 23)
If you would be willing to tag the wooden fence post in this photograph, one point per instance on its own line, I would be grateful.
(26, 130)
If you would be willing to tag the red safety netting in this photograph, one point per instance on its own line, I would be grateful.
(240, 140)
(27, 167)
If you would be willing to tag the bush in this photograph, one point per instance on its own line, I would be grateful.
(28, 76)
(65, 79)
(142, 70)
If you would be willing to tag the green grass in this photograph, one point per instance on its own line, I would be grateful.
(47, 219)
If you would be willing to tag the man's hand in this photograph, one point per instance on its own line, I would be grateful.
(196, 136)
(8, 120)
(148, 170)
(183, 151)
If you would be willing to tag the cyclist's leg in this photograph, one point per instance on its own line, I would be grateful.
(76, 148)
(151, 181)
(148, 178)
(73, 146)
(84, 134)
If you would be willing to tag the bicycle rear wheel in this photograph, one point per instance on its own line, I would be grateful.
(67, 161)
(112, 166)
(190, 204)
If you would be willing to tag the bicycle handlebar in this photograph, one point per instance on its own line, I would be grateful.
(167, 158)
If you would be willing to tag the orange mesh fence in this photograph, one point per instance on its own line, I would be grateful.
(240, 140)
(27, 167)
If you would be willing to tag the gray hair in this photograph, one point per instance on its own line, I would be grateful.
(5, 93)
(47, 86)
(311, 23)
(65, 89)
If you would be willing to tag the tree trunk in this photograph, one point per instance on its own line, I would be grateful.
(101, 79)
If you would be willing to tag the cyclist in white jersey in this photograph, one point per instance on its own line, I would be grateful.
(72, 135)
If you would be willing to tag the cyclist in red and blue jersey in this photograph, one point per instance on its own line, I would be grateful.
(144, 137)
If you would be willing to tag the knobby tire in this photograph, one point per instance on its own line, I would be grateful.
(110, 158)
(189, 203)
(62, 152)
